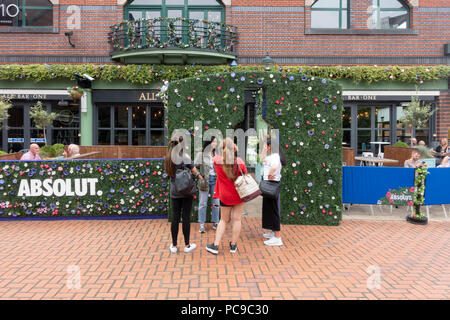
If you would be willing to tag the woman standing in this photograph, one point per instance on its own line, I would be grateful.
(204, 162)
(226, 166)
(271, 218)
(181, 203)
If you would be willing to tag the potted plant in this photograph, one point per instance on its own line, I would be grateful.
(75, 92)
(5, 105)
(41, 118)
(399, 151)
(416, 114)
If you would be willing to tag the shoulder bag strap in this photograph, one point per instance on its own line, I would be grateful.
(240, 170)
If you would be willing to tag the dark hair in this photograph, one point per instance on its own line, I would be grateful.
(207, 143)
(169, 166)
(280, 152)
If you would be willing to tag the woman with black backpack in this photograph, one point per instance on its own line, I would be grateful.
(182, 190)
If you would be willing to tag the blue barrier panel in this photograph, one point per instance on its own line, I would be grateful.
(436, 186)
(367, 185)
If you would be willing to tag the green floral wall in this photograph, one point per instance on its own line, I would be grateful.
(306, 110)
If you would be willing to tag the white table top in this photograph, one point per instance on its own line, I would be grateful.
(379, 142)
(375, 159)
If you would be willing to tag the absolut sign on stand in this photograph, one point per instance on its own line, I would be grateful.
(8, 12)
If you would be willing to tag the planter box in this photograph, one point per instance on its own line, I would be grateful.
(397, 153)
(125, 152)
(11, 156)
(348, 156)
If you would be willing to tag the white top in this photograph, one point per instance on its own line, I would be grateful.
(273, 159)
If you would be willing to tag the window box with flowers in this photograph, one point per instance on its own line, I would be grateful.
(75, 92)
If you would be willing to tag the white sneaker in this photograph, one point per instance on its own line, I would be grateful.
(274, 241)
(191, 247)
(269, 235)
(173, 249)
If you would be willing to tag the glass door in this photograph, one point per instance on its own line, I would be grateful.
(15, 129)
(364, 129)
(153, 30)
(36, 134)
(175, 29)
(199, 26)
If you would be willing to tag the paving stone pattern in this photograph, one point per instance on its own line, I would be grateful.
(130, 259)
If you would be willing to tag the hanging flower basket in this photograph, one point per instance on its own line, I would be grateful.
(75, 92)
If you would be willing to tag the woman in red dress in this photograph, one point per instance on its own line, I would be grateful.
(227, 172)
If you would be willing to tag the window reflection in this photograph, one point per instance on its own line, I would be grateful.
(388, 14)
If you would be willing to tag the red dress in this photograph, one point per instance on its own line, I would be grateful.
(225, 189)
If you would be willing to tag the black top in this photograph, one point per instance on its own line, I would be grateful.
(439, 149)
(182, 166)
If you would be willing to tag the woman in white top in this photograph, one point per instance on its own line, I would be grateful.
(271, 218)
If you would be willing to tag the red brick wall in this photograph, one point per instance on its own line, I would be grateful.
(443, 115)
(263, 25)
(90, 40)
(284, 32)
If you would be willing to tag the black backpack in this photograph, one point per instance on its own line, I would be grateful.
(184, 182)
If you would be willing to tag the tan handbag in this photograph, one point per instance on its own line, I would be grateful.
(246, 186)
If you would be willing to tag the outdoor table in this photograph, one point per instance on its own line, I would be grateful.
(375, 160)
(379, 144)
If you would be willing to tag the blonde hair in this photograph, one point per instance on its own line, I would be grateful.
(228, 158)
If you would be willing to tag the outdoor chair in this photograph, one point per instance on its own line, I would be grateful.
(381, 156)
(368, 154)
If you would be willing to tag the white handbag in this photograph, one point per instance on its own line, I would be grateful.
(246, 186)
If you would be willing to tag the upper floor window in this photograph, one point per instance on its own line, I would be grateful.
(211, 10)
(26, 13)
(331, 14)
(389, 14)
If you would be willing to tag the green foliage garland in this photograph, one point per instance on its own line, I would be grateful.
(145, 74)
(168, 28)
(306, 110)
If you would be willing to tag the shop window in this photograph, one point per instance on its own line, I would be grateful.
(389, 14)
(26, 13)
(132, 124)
(331, 14)
(66, 127)
(212, 10)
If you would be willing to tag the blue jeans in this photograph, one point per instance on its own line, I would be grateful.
(203, 202)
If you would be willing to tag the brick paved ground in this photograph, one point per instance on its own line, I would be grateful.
(131, 260)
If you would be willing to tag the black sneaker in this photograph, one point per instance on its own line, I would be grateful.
(212, 248)
(233, 247)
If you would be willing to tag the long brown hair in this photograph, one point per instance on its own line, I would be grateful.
(169, 166)
(228, 158)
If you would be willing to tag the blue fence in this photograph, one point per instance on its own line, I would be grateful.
(366, 185)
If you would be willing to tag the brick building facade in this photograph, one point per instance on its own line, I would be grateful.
(288, 30)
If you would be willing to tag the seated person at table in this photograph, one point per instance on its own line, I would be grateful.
(441, 151)
(414, 161)
(422, 143)
(445, 163)
(33, 154)
(74, 150)
(413, 142)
